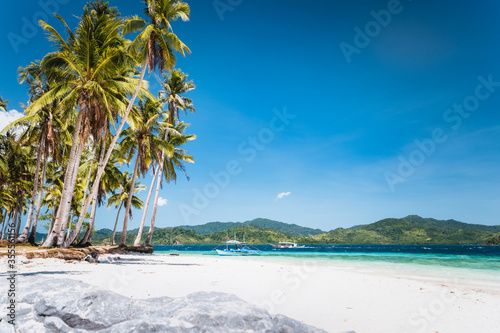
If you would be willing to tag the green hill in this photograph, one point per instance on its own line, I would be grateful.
(495, 240)
(211, 227)
(293, 229)
(412, 229)
(172, 236)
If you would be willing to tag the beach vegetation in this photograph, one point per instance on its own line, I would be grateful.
(64, 153)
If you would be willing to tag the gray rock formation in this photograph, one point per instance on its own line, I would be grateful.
(65, 305)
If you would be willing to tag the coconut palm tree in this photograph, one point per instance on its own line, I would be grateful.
(6, 199)
(175, 85)
(142, 139)
(155, 46)
(110, 181)
(3, 104)
(93, 74)
(17, 159)
(119, 198)
(168, 166)
(45, 130)
(52, 195)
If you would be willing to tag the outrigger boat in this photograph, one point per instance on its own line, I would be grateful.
(237, 248)
(287, 245)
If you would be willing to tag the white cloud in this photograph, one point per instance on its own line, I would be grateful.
(8, 117)
(282, 195)
(162, 201)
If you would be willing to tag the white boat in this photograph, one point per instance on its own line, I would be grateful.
(287, 245)
(237, 248)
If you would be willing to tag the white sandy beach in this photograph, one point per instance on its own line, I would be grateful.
(327, 295)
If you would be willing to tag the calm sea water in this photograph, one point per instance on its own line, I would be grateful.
(471, 257)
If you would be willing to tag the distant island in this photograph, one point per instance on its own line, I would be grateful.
(411, 229)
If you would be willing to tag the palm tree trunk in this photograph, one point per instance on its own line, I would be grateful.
(88, 234)
(87, 182)
(155, 206)
(5, 219)
(147, 242)
(24, 235)
(32, 236)
(83, 213)
(18, 222)
(116, 223)
(62, 234)
(67, 192)
(53, 219)
(73, 179)
(90, 229)
(137, 241)
(129, 202)
(102, 166)
(68, 230)
(9, 222)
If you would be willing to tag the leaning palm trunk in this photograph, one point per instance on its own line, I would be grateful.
(53, 219)
(83, 213)
(102, 166)
(32, 236)
(74, 175)
(18, 217)
(129, 203)
(12, 231)
(87, 238)
(24, 235)
(68, 229)
(67, 192)
(137, 241)
(87, 182)
(7, 217)
(116, 223)
(147, 242)
(3, 227)
(62, 234)
(159, 174)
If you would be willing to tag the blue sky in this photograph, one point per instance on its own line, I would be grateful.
(353, 111)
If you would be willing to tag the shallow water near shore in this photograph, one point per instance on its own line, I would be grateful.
(476, 265)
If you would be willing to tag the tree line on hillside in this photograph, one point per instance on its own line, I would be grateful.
(68, 151)
(408, 230)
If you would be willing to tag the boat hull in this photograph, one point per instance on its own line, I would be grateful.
(238, 252)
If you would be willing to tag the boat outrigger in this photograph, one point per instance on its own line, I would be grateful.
(287, 245)
(237, 248)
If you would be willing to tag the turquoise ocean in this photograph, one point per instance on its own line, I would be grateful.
(477, 265)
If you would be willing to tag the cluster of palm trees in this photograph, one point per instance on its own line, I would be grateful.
(65, 153)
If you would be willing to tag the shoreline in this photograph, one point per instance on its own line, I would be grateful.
(327, 295)
(486, 278)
